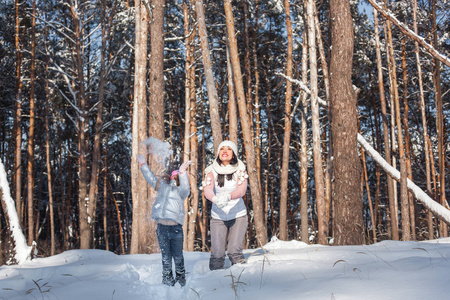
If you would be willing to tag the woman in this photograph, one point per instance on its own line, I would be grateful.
(225, 184)
(168, 211)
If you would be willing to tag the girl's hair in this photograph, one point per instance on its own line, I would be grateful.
(221, 177)
(166, 178)
(177, 179)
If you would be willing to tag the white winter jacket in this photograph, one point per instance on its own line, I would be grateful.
(169, 203)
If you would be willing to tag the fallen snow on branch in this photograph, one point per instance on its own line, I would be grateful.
(426, 200)
(434, 206)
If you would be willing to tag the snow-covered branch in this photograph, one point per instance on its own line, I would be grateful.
(432, 205)
(23, 251)
(304, 87)
(408, 32)
(428, 202)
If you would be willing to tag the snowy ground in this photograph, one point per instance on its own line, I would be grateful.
(283, 270)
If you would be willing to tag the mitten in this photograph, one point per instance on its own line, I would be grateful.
(184, 166)
(140, 159)
(220, 201)
(226, 196)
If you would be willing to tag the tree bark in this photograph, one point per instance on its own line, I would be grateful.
(189, 92)
(156, 103)
(318, 170)
(93, 186)
(304, 148)
(387, 147)
(139, 131)
(439, 117)
(232, 109)
(406, 228)
(30, 145)
(347, 217)
(18, 120)
(258, 138)
(209, 77)
(424, 119)
(287, 129)
(47, 152)
(408, 141)
(193, 170)
(255, 184)
(83, 201)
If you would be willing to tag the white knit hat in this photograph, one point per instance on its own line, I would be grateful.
(230, 144)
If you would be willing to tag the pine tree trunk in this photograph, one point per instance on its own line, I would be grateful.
(424, 119)
(189, 92)
(439, 118)
(255, 184)
(408, 141)
(287, 128)
(232, 109)
(247, 69)
(93, 186)
(105, 197)
(192, 145)
(387, 147)
(47, 153)
(30, 146)
(347, 196)
(156, 102)
(258, 143)
(82, 124)
(406, 226)
(318, 170)
(304, 148)
(193, 170)
(209, 77)
(17, 129)
(139, 131)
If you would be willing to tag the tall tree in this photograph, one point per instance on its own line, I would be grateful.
(17, 131)
(318, 170)
(387, 147)
(93, 185)
(209, 76)
(347, 216)
(77, 14)
(30, 146)
(255, 184)
(156, 103)
(424, 119)
(47, 147)
(303, 145)
(439, 118)
(188, 94)
(287, 128)
(139, 130)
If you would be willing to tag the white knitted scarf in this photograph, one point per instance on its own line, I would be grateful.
(228, 169)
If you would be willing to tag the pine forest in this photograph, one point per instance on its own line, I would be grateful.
(340, 110)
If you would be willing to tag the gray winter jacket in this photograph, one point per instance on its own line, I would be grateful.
(169, 203)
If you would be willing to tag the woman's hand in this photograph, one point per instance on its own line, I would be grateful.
(221, 200)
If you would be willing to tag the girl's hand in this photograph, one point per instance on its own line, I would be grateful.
(184, 166)
(140, 159)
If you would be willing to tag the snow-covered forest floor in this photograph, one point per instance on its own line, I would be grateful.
(279, 270)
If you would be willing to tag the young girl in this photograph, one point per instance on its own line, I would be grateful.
(168, 211)
(225, 185)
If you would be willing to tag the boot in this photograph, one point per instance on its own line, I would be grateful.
(180, 278)
(167, 279)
